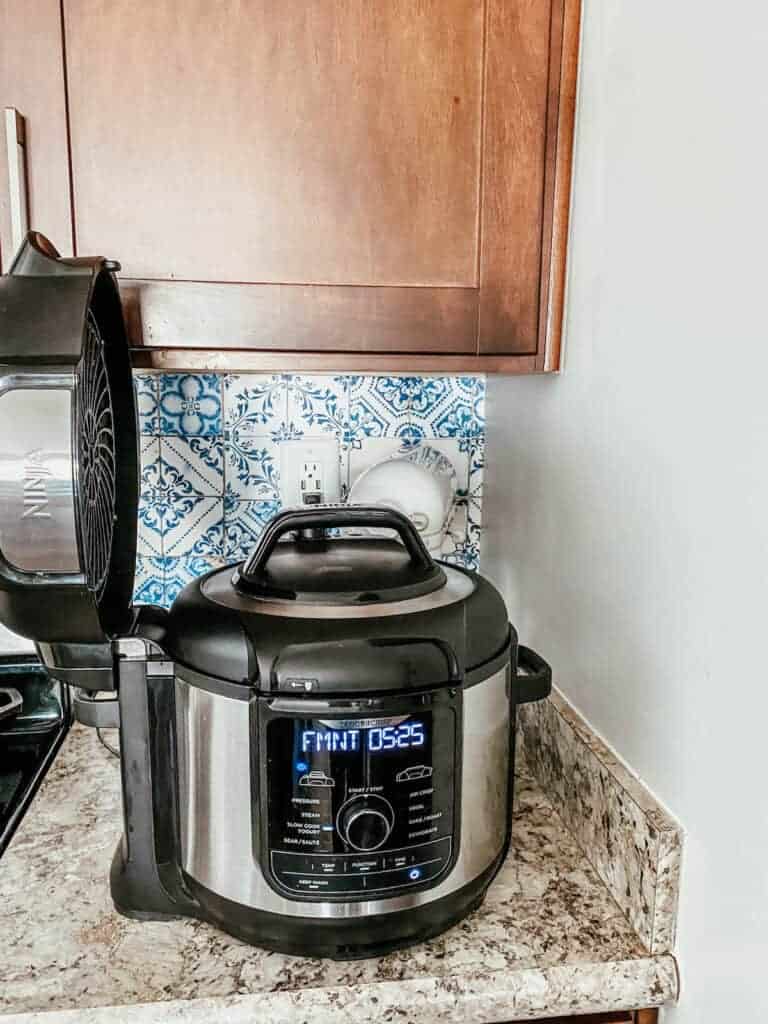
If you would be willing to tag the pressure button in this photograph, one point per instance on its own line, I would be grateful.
(365, 822)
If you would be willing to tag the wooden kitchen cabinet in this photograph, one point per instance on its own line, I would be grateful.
(333, 184)
(32, 79)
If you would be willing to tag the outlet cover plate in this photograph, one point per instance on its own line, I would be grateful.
(308, 457)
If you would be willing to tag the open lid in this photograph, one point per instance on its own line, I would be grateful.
(338, 570)
(68, 445)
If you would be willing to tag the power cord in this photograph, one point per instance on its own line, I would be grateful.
(107, 745)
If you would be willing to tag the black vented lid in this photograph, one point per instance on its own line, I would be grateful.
(68, 433)
(335, 570)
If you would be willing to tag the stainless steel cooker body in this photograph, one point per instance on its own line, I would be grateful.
(222, 824)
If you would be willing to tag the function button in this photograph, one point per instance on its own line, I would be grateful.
(363, 865)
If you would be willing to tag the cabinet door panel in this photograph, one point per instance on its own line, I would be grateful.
(324, 142)
(32, 80)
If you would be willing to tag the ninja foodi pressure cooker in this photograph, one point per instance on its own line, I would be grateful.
(317, 745)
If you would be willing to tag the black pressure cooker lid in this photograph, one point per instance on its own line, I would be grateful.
(334, 570)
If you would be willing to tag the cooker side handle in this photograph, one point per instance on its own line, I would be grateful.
(534, 676)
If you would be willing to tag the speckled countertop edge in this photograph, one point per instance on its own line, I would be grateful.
(631, 840)
(493, 996)
(549, 939)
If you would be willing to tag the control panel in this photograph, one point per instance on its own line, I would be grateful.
(360, 807)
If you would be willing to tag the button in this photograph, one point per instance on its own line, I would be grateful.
(363, 865)
(292, 862)
(365, 822)
(414, 773)
(403, 877)
(399, 860)
(317, 780)
(330, 865)
(324, 884)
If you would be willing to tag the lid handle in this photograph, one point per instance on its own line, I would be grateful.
(326, 517)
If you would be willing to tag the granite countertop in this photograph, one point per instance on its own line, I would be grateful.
(549, 939)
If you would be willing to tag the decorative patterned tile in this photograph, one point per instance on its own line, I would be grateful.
(212, 479)
(195, 464)
(194, 526)
(450, 407)
(379, 407)
(244, 521)
(255, 404)
(252, 467)
(318, 405)
(476, 458)
(149, 581)
(472, 543)
(190, 404)
(146, 402)
(149, 537)
(461, 544)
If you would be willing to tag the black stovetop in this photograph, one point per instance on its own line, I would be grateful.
(28, 740)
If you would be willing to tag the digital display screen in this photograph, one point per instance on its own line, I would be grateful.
(406, 736)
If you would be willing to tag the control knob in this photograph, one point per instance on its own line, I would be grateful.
(366, 821)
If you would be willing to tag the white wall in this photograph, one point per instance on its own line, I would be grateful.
(627, 499)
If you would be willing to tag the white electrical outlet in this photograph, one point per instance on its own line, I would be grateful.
(310, 471)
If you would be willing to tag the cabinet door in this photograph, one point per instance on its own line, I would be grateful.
(32, 80)
(364, 185)
(322, 142)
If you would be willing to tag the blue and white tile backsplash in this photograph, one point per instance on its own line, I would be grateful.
(210, 457)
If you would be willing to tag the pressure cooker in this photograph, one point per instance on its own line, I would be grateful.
(317, 744)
